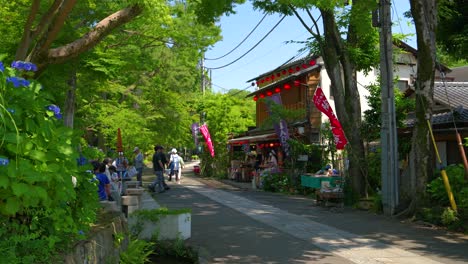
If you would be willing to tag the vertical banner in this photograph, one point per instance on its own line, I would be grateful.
(281, 128)
(206, 135)
(322, 104)
(246, 147)
(195, 129)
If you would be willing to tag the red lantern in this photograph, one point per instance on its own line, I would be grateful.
(312, 62)
(297, 83)
(271, 144)
(272, 77)
(256, 83)
(284, 72)
(287, 86)
(269, 93)
(267, 79)
(277, 90)
(262, 96)
(255, 98)
(304, 66)
(298, 68)
(278, 74)
(290, 70)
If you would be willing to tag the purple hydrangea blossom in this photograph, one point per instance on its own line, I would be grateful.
(17, 82)
(2, 68)
(24, 65)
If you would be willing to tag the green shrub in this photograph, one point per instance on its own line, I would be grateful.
(41, 211)
(448, 217)
(276, 182)
(138, 251)
(458, 185)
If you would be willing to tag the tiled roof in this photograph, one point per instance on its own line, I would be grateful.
(452, 94)
(460, 115)
(460, 74)
(286, 65)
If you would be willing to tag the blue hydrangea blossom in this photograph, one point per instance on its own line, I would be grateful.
(24, 65)
(17, 82)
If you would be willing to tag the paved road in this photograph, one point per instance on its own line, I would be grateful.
(240, 225)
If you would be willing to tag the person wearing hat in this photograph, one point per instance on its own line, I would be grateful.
(159, 161)
(138, 163)
(175, 162)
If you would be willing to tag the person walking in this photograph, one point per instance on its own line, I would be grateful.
(176, 162)
(159, 161)
(138, 163)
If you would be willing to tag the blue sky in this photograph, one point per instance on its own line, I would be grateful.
(273, 50)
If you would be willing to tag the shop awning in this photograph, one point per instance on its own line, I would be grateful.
(253, 139)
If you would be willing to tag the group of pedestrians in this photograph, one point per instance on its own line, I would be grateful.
(160, 162)
(112, 174)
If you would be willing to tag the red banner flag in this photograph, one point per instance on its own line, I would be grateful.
(322, 104)
(206, 135)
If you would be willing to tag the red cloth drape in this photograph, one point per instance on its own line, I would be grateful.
(206, 135)
(322, 104)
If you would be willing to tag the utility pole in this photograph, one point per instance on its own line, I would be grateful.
(390, 188)
(202, 68)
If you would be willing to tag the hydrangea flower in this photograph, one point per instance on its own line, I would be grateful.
(56, 111)
(2, 68)
(4, 161)
(24, 65)
(11, 110)
(17, 82)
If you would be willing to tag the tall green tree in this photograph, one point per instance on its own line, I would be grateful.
(224, 114)
(424, 13)
(347, 46)
(452, 28)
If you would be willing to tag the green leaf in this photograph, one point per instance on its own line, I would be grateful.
(4, 181)
(12, 206)
(38, 155)
(12, 138)
(19, 188)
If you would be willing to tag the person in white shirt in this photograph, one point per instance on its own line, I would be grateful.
(175, 163)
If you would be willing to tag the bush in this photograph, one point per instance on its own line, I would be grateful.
(458, 184)
(276, 182)
(41, 211)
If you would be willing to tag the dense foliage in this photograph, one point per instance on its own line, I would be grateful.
(41, 210)
(437, 209)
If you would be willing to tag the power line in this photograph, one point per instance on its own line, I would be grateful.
(215, 68)
(241, 41)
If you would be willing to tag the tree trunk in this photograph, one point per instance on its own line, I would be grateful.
(342, 75)
(425, 17)
(70, 100)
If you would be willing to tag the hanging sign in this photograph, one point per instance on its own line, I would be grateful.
(206, 135)
(281, 128)
(322, 104)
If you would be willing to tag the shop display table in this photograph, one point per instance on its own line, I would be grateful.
(315, 181)
(329, 188)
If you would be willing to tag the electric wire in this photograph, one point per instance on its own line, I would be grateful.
(240, 42)
(259, 56)
(260, 41)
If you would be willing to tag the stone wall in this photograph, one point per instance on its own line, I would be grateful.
(105, 241)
